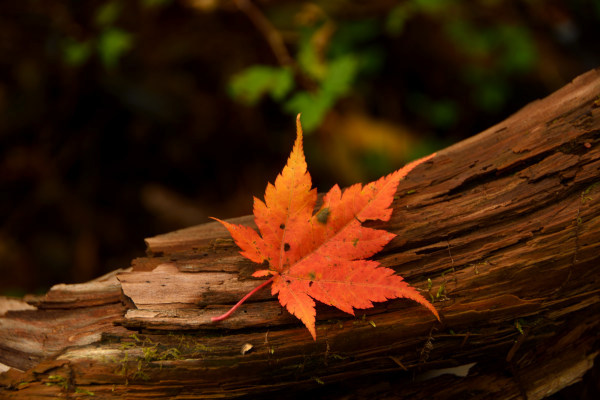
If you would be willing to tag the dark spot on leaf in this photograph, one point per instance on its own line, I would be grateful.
(286, 246)
(282, 226)
(310, 283)
(288, 281)
(323, 215)
(354, 242)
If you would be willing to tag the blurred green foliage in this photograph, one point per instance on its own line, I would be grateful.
(332, 73)
(110, 42)
(335, 63)
(334, 82)
(76, 53)
(113, 43)
(250, 85)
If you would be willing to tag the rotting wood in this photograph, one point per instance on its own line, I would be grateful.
(501, 231)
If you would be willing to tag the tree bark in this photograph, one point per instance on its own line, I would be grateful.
(501, 231)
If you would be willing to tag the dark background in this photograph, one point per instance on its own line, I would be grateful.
(124, 120)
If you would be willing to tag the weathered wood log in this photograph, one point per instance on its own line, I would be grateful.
(501, 231)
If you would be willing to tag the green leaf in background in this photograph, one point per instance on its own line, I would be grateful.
(250, 85)
(313, 106)
(350, 35)
(397, 18)
(474, 42)
(519, 53)
(340, 76)
(512, 47)
(491, 95)
(76, 53)
(443, 113)
(112, 44)
(402, 13)
(431, 6)
(338, 81)
(108, 13)
(308, 58)
(489, 89)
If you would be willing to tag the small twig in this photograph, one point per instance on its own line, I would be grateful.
(239, 303)
(397, 361)
(452, 264)
(265, 26)
(450, 253)
(465, 339)
(427, 347)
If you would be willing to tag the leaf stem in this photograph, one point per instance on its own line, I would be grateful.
(239, 303)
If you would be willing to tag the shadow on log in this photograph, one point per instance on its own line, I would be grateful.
(501, 231)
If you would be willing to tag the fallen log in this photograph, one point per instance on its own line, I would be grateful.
(500, 231)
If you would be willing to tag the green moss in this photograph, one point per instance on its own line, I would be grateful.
(585, 194)
(143, 352)
(122, 364)
(441, 291)
(58, 380)
(150, 353)
(172, 353)
(476, 266)
(84, 391)
(140, 373)
(364, 321)
(127, 345)
(518, 325)
(135, 337)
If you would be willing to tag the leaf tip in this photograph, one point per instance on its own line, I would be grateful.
(227, 225)
(313, 332)
(402, 172)
(298, 125)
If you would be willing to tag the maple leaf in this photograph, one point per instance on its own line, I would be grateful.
(322, 256)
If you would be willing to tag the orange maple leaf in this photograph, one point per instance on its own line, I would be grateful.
(322, 256)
